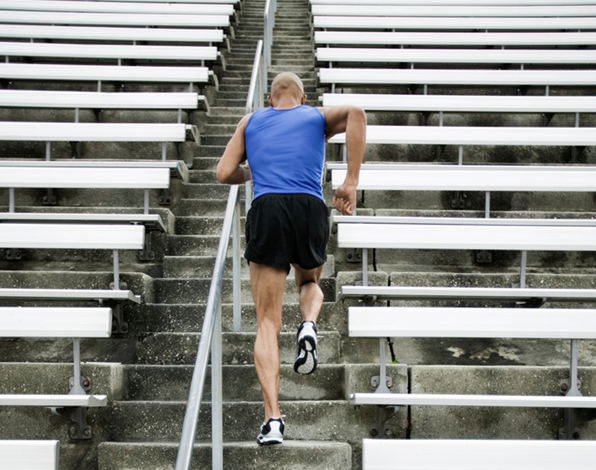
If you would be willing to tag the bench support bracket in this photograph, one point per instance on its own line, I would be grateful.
(571, 387)
(79, 429)
(383, 414)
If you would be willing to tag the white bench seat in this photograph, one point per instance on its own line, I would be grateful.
(108, 73)
(72, 236)
(100, 33)
(466, 293)
(456, 56)
(432, 2)
(177, 168)
(151, 222)
(476, 454)
(93, 132)
(114, 19)
(70, 294)
(369, 38)
(30, 454)
(118, 7)
(454, 23)
(368, 76)
(98, 100)
(460, 135)
(54, 401)
(399, 177)
(472, 322)
(445, 11)
(108, 51)
(449, 236)
(462, 103)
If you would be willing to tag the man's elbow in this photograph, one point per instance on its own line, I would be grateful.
(222, 175)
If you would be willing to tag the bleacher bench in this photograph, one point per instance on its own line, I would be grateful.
(108, 73)
(473, 322)
(456, 56)
(475, 454)
(461, 135)
(463, 103)
(435, 2)
(371, 38)
(454, 23)
(96, 132)
(118, 7)
(445, 11)
(484, 178)
(29, 454)
(110, 51)
(114, 19)
(100, 33)
(101, 100)
(55, 322)
(381, 77)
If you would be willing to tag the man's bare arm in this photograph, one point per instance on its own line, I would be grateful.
(352, 121)
(230, 169)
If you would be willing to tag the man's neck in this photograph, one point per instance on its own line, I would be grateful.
(286, 103)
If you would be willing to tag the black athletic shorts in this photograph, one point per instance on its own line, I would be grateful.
(287, 228)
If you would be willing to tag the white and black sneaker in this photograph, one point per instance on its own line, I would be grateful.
(306, 345)
(272, 432)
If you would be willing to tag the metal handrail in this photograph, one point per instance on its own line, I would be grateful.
(268, 25)
(211, 330)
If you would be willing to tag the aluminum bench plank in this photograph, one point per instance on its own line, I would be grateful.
(70, 294)
(467, 237)
(65, 177)
(471, 178)
(492, 11)
(92, 132)
(373, 76)
(118, 7)
(472, 322)
(460, 56)
(432, 399)
(57, 401)
(206, 1)
(474, 293)
(399, 220)
(462, 103)
(108, 51)
(437, 2)
(113, 19)
(72, 236)
(151, 222)
(460, 135)
(55, 322)
(104, 73)
(453, 23)
(452, 38)
(30, 454)
(100, 33)
(476, 454)
(177, 168)
(98, 100)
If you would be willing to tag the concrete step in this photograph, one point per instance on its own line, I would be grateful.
(207, 191)
(202, 207)
(181, 348)
(202, 266)
(193, 245)
(189, 290)
(292, 455)
(200, 225)
(172, 383)
(189, 317)
(305, 420)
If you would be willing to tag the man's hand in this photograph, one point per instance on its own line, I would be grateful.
(344, 199)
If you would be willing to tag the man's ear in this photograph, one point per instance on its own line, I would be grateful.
(270, 100)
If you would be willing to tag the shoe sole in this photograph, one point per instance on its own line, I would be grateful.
(269, 442)
(307, 364)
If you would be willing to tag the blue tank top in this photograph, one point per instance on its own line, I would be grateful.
(286, 150)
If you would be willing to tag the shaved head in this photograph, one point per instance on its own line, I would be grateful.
(287, 83)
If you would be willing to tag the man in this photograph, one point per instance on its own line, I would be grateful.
(288, 221)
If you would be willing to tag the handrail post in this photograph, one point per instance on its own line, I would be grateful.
(217, 394)
(236, 269)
